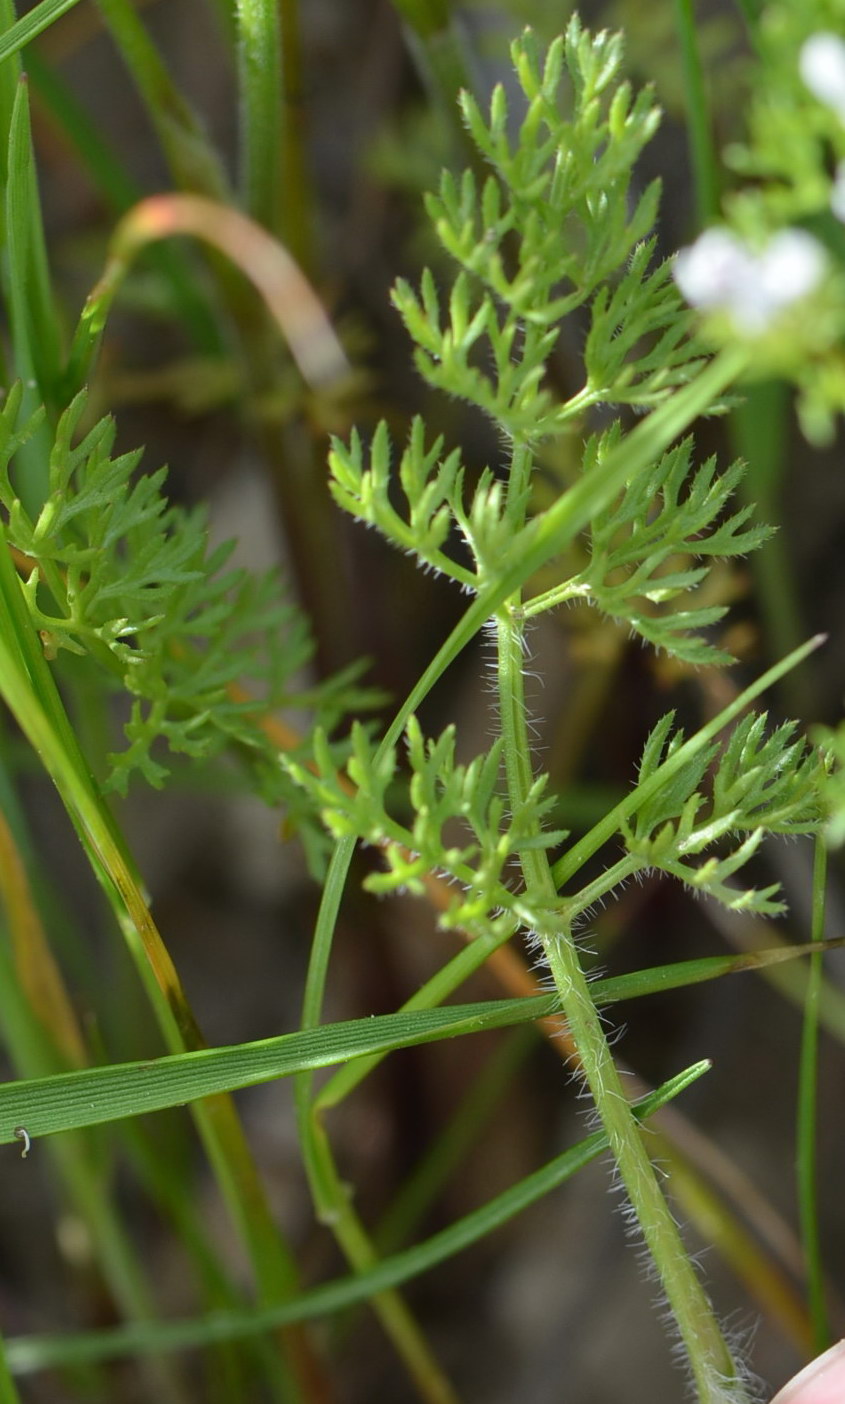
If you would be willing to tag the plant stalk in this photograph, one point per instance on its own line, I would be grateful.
(710, 1360)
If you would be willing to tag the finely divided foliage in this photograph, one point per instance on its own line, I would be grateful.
(118, 574)
(551, 244)
(640, 548)
(760, 784)
(551, 231)
(556, 232)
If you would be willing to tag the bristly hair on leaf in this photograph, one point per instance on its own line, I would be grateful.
(762, 783)
(644, 548)
(553, 229)
(446, 818)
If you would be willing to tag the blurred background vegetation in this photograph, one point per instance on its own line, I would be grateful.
(552, 1308)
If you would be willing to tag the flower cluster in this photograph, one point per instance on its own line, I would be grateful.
(721, 273)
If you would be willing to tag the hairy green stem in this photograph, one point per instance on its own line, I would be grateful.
(538, 543)
(709, 1357)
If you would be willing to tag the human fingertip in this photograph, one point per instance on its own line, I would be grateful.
(820, 1382)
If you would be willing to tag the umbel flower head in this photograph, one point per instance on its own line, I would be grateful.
(720, 273)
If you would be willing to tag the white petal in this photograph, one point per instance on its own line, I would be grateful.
(791, 266)
(713, 270)
(822, 67)
(719, 272)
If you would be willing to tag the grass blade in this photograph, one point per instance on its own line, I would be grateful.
(260, 84)
(91, 1096)
(24, 30)
(806, 1119)
(28, 253)
(287, 293)
(37, 1353)
(703, 159)
(8, 1388)
(31, 312)
(97, 1095)
(193, 162)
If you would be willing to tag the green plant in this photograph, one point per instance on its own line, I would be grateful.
(105, 585)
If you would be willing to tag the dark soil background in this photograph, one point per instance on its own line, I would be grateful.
(555, 1309)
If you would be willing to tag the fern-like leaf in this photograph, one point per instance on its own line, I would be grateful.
(645, 545)
(555, 227)
(762, 784)
(120, 575)
(450, 820)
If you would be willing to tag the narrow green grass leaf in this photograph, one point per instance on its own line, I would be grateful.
(32, 311)
(9, 75)
(47, 1105)
(31, 25)
(8, 1388)
(260, 83)
(759, 430)
(806, 1127)
(59, 1103)
(703, 158)
(31, 1353)
(28, 248)
(193, 162)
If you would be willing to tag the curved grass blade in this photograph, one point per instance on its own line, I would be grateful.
(806, 1128)
(37, 329)
(91, 1096)
(31, 25)
(28, 1354)
(288, 295)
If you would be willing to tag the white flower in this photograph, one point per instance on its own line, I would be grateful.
(713, 270)
(822, 67)
(790, 266)
(720, 273)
